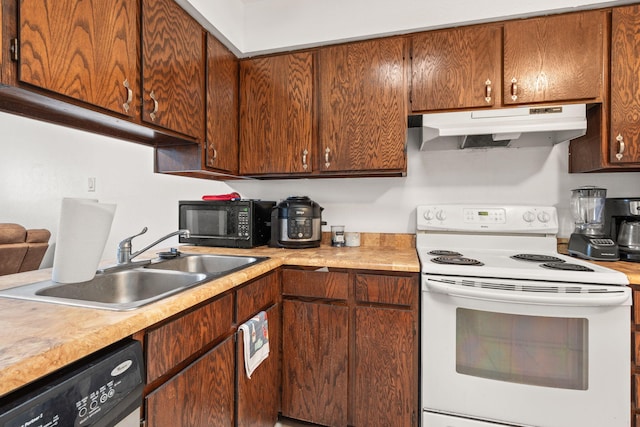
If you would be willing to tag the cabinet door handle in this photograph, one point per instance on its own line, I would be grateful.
(152, 114)
(127, 103)
(304, 159)
(213, 154)
(487, 91)
(620, 152)
(327, 151)
(514, 89)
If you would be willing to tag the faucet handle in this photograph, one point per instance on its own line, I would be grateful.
(128, 239)
(124, 248)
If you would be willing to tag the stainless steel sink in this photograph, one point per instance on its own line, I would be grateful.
(122, 290)
(209, 264)
(125, 289)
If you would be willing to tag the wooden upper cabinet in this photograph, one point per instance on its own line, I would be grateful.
(555, 58)
(85, 50)
(173, 68)
(221, 149)
(276, 114)
(362, 106)
(458, 68)
(625, 86)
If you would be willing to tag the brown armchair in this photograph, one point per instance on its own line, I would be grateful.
(21, 249)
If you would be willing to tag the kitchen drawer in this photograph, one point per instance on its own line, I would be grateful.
(636, 305)
(635, 385)
(315, 284)
(256, 296)
(174, 342)
(395, 290)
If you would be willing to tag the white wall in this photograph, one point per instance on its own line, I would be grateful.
(258, 26)
(525, 175)
(41, 163)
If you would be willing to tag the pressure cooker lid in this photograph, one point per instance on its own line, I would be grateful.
(299, 206)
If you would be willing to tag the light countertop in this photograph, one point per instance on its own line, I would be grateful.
(38, 338)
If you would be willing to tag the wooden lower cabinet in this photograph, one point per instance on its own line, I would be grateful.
(350, 347)
(315, 362)
(202, 395)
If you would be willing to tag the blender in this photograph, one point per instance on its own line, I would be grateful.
(589, 240)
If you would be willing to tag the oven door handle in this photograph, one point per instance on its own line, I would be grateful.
(608, 298)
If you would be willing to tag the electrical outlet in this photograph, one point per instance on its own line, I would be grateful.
(91, 187)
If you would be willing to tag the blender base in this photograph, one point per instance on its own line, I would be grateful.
(597, 248)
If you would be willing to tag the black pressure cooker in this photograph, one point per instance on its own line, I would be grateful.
(296, 222)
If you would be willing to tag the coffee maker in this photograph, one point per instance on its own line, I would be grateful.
(589, 240)
(622, 223)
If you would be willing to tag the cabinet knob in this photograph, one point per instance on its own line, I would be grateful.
(127, 103)
(304, 159)
(514, 89)
(152, 95)
(327, 151)
(487, 91)
(620, 152)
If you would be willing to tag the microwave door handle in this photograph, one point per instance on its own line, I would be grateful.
(523, 297)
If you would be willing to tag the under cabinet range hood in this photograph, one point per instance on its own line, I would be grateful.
(498, 127)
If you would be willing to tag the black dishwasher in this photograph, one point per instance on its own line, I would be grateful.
(101, 390)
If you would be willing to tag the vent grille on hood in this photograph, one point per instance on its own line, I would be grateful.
(497, 127)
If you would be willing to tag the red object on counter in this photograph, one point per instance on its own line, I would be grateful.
(230, 196)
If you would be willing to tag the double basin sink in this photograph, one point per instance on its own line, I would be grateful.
(129, 288)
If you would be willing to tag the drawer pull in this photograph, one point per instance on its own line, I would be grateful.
(327, 151)
(304, 159)
(514, 89)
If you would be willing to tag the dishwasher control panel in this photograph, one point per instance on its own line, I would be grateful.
(99, 390)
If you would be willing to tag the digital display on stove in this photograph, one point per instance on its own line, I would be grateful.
(483, 213)
(484, 216)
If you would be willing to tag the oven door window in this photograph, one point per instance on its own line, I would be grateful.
(534, 350)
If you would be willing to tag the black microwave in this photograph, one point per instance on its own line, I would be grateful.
(226, 223)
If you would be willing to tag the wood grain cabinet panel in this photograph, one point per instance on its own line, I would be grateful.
(315, 362)
(202, 395)
(386, 380)
(173, 68)
(174, 342)
(276, 114)
(456, 68)
(315, 284)
(555, 58)
(221, 150)
(258, 397)
(394, 290)
(256, 296)
(362, 106)
(625, 86)
(85, 50)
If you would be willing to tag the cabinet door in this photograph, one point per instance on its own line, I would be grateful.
(386, 367)
(86, 50)
(276, 114)
(259, 396)
(362, 106)
(459, 68)
(172, 68)
(555, 58)
(202, 395)
(625, 85)
(221, 150)
(315, 362)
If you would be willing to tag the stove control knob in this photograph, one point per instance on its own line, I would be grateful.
(529, 216)
(428, 215)
(544, 217)
(441, 216)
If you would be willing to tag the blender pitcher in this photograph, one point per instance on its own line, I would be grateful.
(587, 207)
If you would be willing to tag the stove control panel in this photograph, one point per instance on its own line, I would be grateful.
(487, 218)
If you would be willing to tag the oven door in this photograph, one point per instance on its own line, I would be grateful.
(538, 354)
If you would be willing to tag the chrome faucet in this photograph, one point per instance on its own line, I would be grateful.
(124, 247)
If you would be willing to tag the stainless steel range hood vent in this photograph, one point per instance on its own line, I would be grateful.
(497, 128)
